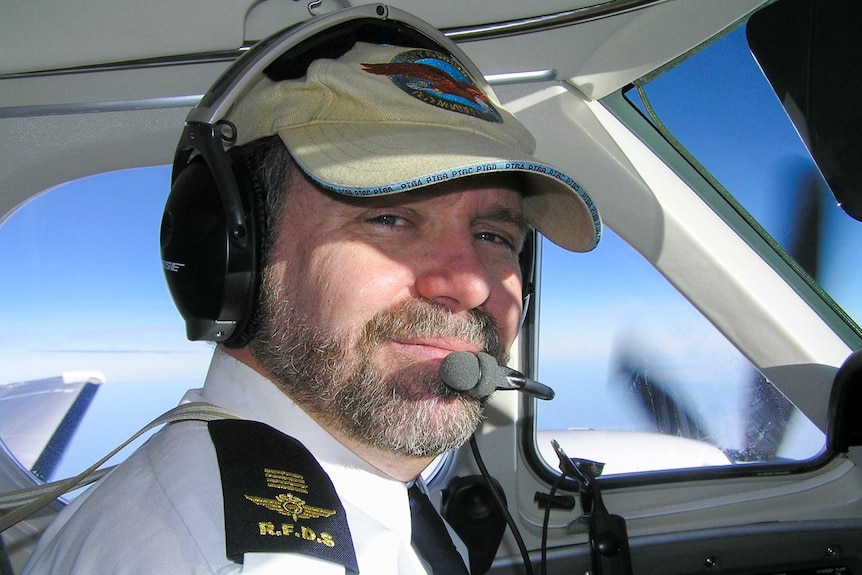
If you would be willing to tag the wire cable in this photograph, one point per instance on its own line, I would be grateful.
(546, 521)
(498, 499)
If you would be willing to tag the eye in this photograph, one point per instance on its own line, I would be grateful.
(388, 220)
(495, 238)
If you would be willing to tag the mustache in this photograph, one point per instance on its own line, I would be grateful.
(421, 318)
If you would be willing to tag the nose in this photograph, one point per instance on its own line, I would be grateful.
(452, 274)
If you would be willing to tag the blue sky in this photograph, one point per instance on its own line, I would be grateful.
(719, 105)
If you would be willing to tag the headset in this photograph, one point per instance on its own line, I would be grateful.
(214, 220)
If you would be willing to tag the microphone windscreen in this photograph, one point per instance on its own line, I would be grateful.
(460, 370)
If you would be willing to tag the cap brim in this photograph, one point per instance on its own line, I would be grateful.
(369, 159)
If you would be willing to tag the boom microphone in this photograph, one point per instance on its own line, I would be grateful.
(480, 375)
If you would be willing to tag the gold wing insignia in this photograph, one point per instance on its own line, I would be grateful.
(270, 504)
(291, 506)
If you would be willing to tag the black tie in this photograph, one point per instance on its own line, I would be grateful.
(430, 537)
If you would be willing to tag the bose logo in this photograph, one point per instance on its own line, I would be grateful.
(172, 266)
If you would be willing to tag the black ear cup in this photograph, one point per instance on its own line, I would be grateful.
(251, 188)
(210, 254)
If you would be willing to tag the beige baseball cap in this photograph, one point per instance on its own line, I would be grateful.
(389, 119)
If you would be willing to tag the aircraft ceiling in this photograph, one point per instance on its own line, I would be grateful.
(612, 51)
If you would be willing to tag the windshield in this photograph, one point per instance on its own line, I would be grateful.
(644, 382)
(731, 122)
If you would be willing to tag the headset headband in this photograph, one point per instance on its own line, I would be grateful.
(401, 25)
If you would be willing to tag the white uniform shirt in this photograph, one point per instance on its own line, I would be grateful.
(161, 511)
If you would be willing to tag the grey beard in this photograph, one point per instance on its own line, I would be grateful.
(340, 386)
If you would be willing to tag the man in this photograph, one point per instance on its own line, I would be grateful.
(397, 198)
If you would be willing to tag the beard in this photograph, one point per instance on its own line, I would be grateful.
(405, 409)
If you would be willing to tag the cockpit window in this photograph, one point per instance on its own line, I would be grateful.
(644, 382)
(730, 120)
(93, 348)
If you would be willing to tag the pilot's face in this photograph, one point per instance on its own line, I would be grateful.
(365, 297)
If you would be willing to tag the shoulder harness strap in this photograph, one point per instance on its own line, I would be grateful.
(16, 506)
(277, 498)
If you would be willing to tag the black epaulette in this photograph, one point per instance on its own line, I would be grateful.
(277, 498)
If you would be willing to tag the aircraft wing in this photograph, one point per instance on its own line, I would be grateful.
(39, 417)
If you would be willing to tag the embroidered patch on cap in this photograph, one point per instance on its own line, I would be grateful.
(439, 80)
